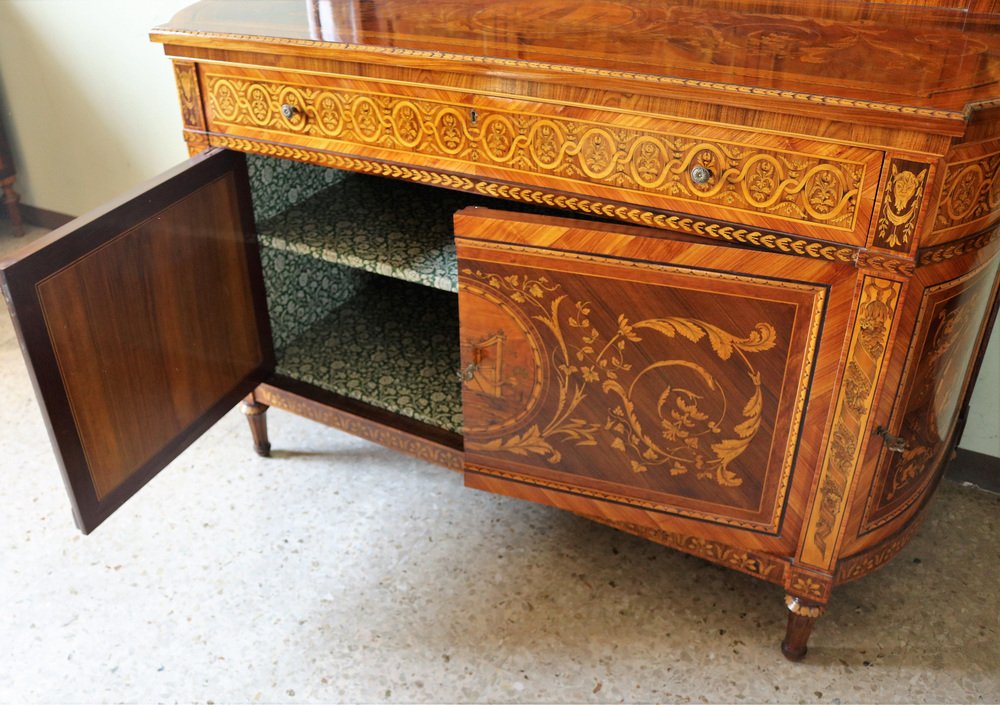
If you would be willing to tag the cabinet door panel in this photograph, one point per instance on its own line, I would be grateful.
(634, 370)
(141, 325)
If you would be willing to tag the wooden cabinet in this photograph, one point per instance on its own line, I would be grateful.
(715, 274)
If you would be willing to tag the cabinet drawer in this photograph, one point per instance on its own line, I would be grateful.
(815, 189)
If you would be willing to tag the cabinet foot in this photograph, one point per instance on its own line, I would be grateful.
(801, 618)
(11, 200)
(255, 413)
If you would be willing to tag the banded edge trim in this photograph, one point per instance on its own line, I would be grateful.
(760, 239)
(164, 35)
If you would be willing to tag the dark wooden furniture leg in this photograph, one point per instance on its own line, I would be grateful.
(801, 618)
(11, 200)
(255, 413)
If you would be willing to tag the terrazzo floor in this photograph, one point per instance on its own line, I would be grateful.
(342, 572)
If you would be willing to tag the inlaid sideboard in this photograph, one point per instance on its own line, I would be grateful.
(717, 273)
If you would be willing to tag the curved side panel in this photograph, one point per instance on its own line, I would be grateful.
(949, 327)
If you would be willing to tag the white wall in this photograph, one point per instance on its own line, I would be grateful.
(90, 102)
(93, 111)
(982, 434)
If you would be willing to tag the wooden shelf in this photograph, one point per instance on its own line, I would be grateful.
(392, 228)
(392, 345)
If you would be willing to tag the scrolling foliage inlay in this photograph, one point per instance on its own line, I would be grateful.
(970, 192)
(948, 325)
(694, 431)
(876, 310)
(660, 388)
(760, 239)
(790, 185)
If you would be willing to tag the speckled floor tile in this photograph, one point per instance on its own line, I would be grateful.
(339, 571)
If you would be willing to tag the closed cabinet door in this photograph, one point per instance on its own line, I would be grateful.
(141, 325)
(635, 376)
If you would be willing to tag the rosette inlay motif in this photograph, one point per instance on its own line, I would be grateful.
(799, 187)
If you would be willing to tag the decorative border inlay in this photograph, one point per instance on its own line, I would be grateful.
(876, 311)
(795, 186)
(901, 200)
(895, 265)
(864, 563)
(928, 392)
(569, 489)
(189, 92)
(957, 248)
(797, 607)
(192, 115)
(754, 563)
(677, 223)
(970, 192)
(363, 428)
(167, 35)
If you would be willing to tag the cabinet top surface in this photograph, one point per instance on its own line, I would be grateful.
(931, 60)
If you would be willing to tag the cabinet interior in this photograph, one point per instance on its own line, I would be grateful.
(362, 280)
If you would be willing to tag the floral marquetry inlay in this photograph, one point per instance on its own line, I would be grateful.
(970, 193)
(876, 310)
(695, 431)
(948, 326)
(744, 177)
(901, 200)
(659, 397)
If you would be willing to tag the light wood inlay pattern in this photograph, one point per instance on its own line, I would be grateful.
(192, 108)
(850, 432)
(948, 326)
(970, 193)
(767, 372)
(643, 159)
(721, 451)
(760, 565)
(902, 198)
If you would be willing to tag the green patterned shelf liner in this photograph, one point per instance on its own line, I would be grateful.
(395, 229)
(280, 184)
(393, 345)
(389, 227)
(301, 291)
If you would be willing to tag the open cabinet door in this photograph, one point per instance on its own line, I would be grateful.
(142, 324)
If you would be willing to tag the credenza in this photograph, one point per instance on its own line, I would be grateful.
(717, 273)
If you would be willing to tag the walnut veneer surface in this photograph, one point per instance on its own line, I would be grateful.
(754, 340)
(725, 380)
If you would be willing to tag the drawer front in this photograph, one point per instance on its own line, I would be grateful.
(819, 190)
(636, 379)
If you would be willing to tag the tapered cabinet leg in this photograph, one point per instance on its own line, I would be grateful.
(256, 416)
(11, 200)
(801, 618)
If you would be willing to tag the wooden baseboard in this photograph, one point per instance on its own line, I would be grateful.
(50, 220)
(976, 469)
